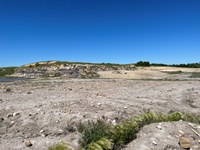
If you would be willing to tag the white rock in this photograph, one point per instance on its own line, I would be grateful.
(12, 122)
(181, 132)
(41, 131)
(99, 104)
(154, 143)
(159, 127)
(114, 123)
(16, 113)
(43, 135)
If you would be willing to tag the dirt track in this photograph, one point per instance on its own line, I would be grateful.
(47, 107)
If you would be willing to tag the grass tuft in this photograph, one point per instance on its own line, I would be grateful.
(61, 146)
(93, 131)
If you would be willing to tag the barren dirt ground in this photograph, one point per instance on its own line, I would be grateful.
(42, 111)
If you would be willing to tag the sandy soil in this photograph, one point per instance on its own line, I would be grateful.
(150, 73)
(42, 110)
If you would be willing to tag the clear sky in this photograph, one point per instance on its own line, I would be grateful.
(116, 31)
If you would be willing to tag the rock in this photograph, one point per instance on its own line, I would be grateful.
(154, 143)
(159, 127)
(8, 90)
(43, 135)
(1, 119)
(60, 131)
(125, 107)
(185, 142)
(99, 104)
(181, 132)
(12, 122)
(16, 113)
(198, 141)
(28, 143)
(1, 100)
(41, 131)
(9, 115)
(114, 123)
(29, 93)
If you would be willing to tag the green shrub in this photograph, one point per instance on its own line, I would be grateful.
(93, 131)
(123, 133)
(7, 71)
(195, 75)
(143, 64)
(61, 146)
(102, 144)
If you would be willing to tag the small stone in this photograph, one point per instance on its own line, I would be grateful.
(198, 141)
(16, 113)
(28, 143)
(99, 104)
(41, 131)
(159, 127)
(154, 143)
(125, 107)
(43, 135)
(181, 132)
(185, 142)
(114, 123)
(9, 115)
(190, 124)
(12, 122)
(29, 93)
(60, 131)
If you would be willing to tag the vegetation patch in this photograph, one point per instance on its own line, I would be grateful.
(143, 64)
(61, 146)
(7, 71)
(195, 75)
(125, 132)
(93, 131)
(173, 72)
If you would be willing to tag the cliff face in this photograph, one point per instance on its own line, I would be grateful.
(66, 70)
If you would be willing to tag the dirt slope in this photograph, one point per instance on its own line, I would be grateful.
(41, 110)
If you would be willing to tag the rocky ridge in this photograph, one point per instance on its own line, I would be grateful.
(66, 69)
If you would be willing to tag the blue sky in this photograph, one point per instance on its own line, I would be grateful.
(116, 31)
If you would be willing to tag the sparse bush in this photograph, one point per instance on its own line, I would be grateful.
(99, 136)
(195, 75)
(173, 72)
(143, 64)
(93, 131)
(8, 90)
(7, 71)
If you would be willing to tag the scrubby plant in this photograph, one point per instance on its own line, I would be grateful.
(194, 118)
(61, 146)
(195, 75)
(93, 131)
(7, 71)
(102, 144)
(99, 136)
(143, 64)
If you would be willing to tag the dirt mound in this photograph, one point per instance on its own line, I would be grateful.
(166, 136)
